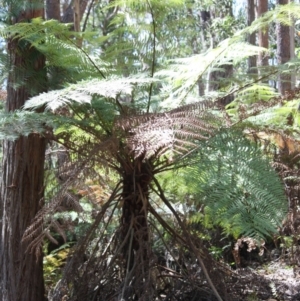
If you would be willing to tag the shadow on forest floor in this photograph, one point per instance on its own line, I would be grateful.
(272, 281)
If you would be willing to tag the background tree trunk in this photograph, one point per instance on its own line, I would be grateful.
(68, 16)
(53, 9)
(21, 189)
(292, 51)
(263, 35)
(283, 52)
(252, 37)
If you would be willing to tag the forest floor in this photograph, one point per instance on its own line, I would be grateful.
(274, 280)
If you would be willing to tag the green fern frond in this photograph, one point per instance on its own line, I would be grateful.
(255, 93)
(185, 73)
(58, 44)
(278, 115)
(83, 92)
(20, 123)
(144, 5)
(238, 185)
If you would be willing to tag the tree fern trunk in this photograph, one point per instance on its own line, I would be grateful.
(21, 189)
(136, 182)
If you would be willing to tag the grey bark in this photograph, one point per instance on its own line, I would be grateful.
(252, 37)
(263, 34)
(283, 52)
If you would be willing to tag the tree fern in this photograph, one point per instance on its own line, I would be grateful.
(110, 122)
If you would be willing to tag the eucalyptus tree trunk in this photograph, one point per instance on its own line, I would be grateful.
(21, 189)
(263, 34)
(53, 9)
(283, 52)
(252, 37)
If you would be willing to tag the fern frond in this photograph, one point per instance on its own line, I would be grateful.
(20, 123)
(83, 92)
(281, 13)
(44, 220)
(56, 42)
(238, 186)
(179, 128)
(185, 73)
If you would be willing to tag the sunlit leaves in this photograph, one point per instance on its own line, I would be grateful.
(83, 92)
(184, 73)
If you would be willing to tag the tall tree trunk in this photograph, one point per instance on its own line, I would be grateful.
(21, 189)
(77, 15)
(283, 52)
(252, 37)
(263, 34)
(53, 9)
(68, 16)
(292, 50)
(218, 78)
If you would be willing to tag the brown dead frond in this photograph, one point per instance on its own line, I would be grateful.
(44, 221)
(164, 131)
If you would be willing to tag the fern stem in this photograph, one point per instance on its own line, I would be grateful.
(164, 224)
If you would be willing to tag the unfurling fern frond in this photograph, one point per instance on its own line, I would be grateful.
(238, 186)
